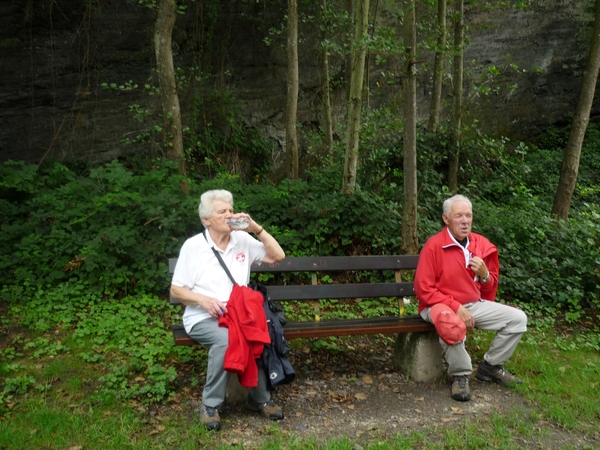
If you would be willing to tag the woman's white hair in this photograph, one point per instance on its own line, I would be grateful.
(206, 206)
(455, 198)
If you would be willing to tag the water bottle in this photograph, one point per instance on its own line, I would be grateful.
(238, 223)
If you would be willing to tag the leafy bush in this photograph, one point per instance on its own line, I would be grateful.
(127, 340)
(107, 228)
(553, 264)
(112, 229)
(312, 219)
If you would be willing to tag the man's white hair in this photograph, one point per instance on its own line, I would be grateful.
(455, 198)
(206, 206)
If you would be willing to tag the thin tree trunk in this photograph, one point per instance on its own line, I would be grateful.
(350, 7)
(570, 165)
(409, 208)
(438, 69)
(172, 130)
(355, 102)
(368, 59)
(327, 121)
(291, 109)
(457, 93)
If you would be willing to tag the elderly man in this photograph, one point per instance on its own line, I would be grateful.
(456, 283)
(203, 285)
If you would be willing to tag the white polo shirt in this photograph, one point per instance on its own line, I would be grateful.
(198, 269)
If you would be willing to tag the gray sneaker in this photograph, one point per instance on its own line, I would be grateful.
(497, 374)
(268, 409)
(209, 417)
(459, 388)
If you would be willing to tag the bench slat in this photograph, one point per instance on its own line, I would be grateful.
(328, 291)
(325, 328)
(332, 264)
(340, 263)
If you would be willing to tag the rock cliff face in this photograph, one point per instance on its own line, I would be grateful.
(56, 55)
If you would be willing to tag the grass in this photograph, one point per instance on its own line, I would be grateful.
(75, 386)
(560, 373)
(563, 378)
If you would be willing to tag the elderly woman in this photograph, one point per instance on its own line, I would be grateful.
(203, 286)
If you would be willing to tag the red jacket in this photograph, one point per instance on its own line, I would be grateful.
(442, 277)
(248, 333)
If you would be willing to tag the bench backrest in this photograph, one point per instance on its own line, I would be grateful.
(320, 264)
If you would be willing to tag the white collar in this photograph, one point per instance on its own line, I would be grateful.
(465, 249)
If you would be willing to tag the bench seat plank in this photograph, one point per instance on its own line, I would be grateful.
(325, 328)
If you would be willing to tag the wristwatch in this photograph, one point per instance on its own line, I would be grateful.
(486, 278)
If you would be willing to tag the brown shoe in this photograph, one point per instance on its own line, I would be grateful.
(268, 409)
(209, 417)
(497, 374)
(459, 389)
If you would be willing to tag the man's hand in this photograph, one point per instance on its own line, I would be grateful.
(466, 317)
(479, 267)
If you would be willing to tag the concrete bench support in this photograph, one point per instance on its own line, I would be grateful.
(419, 356)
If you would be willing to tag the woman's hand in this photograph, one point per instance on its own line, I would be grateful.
(212, 306)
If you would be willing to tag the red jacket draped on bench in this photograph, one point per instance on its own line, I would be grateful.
(248, 333)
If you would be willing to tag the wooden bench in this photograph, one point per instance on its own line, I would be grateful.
(314, 291)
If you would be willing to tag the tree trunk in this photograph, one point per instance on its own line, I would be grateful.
(457, 94)
(570, 165)
(355, 102)
(172, 130)
(410, 244)
(291, 108)
(350, 8)
(438, 70)
(368, 58)
(327, 121)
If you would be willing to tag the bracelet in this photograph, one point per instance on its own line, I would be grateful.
(261, 230)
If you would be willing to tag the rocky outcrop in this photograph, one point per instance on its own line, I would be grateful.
(56, 56)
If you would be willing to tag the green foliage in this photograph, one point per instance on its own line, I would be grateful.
(545, 262)
(18, 385)
(108, 228)
(126, 340)
(218, 141)
(314, 219)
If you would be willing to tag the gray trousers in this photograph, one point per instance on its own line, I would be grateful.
(208, 333)
(509, 323)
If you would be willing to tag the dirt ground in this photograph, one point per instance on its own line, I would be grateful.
(358, 394)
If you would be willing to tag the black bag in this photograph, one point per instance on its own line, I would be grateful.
(275, 308)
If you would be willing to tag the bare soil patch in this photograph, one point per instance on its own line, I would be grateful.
(358, 394)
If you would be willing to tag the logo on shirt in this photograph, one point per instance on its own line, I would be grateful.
(240, 257)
